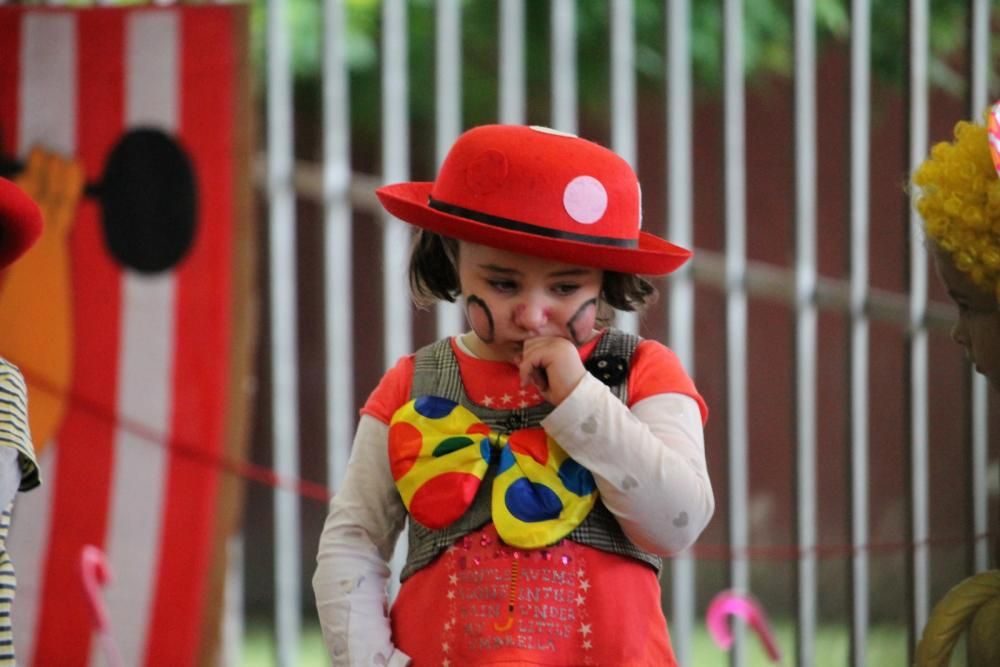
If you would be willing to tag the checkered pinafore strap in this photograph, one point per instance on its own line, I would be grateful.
(436, 373)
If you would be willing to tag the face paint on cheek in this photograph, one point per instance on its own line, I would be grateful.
(480, 318)
(582, 322)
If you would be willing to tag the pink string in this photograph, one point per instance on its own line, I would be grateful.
(94, 573)
(730, 603)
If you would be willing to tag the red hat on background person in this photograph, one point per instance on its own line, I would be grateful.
(20, 222)
(536, 191)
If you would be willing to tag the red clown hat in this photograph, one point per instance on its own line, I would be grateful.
(535, 191)
(20, 222)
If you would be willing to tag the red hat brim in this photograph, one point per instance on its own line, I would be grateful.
(653, 256)
(20, 222)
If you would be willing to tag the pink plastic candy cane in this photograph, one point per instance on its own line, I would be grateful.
(95, 572)
(730, 603)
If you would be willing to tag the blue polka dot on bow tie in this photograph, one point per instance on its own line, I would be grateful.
(532, 502)
(576, 478)
(433, 407)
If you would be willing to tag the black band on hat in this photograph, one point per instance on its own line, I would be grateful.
(517, 226)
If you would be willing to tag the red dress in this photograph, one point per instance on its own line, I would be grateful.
(485, 603)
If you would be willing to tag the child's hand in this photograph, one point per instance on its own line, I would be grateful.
(553, 365)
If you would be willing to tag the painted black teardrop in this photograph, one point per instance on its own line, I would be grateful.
(149, 200)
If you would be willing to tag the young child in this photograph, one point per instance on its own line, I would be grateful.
(545, 462)
(959, 201)
(20, 227)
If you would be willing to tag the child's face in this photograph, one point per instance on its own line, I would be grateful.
(978, 326)
(510, 298)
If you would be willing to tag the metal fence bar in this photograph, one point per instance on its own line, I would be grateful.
(860, 153)
(775, 284)
(233, 622)
(979, 465)
(284, 348)
(734, 158)
(622, 105)
(979, 459)
(622, 112)
(680, 284)
(397, 314)
(337, 251)
(805, 325)
(762, 280)
(919, 523)
(448, 118)
(979, 50)
(395, 167)
(563, 72)
(511, 62)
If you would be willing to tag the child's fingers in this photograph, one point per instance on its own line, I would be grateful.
(529, 369)
(525, 368)
(553, 365)
(532, 365)
(540, 379)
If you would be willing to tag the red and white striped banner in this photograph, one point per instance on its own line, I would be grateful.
(150, 400)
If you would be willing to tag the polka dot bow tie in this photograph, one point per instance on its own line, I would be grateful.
(439, 452)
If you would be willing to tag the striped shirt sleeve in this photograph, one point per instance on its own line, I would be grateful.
(14, 430)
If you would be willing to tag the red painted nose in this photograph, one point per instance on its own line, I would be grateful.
(531, 316)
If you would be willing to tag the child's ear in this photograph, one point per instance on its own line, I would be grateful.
(605, 313)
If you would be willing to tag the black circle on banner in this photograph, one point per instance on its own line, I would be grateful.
(149, 201)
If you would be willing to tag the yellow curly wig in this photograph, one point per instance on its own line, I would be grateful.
(959, 201)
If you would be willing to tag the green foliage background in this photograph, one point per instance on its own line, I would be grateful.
(768, 48)
(767, 44)
(768, 54)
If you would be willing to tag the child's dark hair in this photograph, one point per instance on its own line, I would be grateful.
(434, 276)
